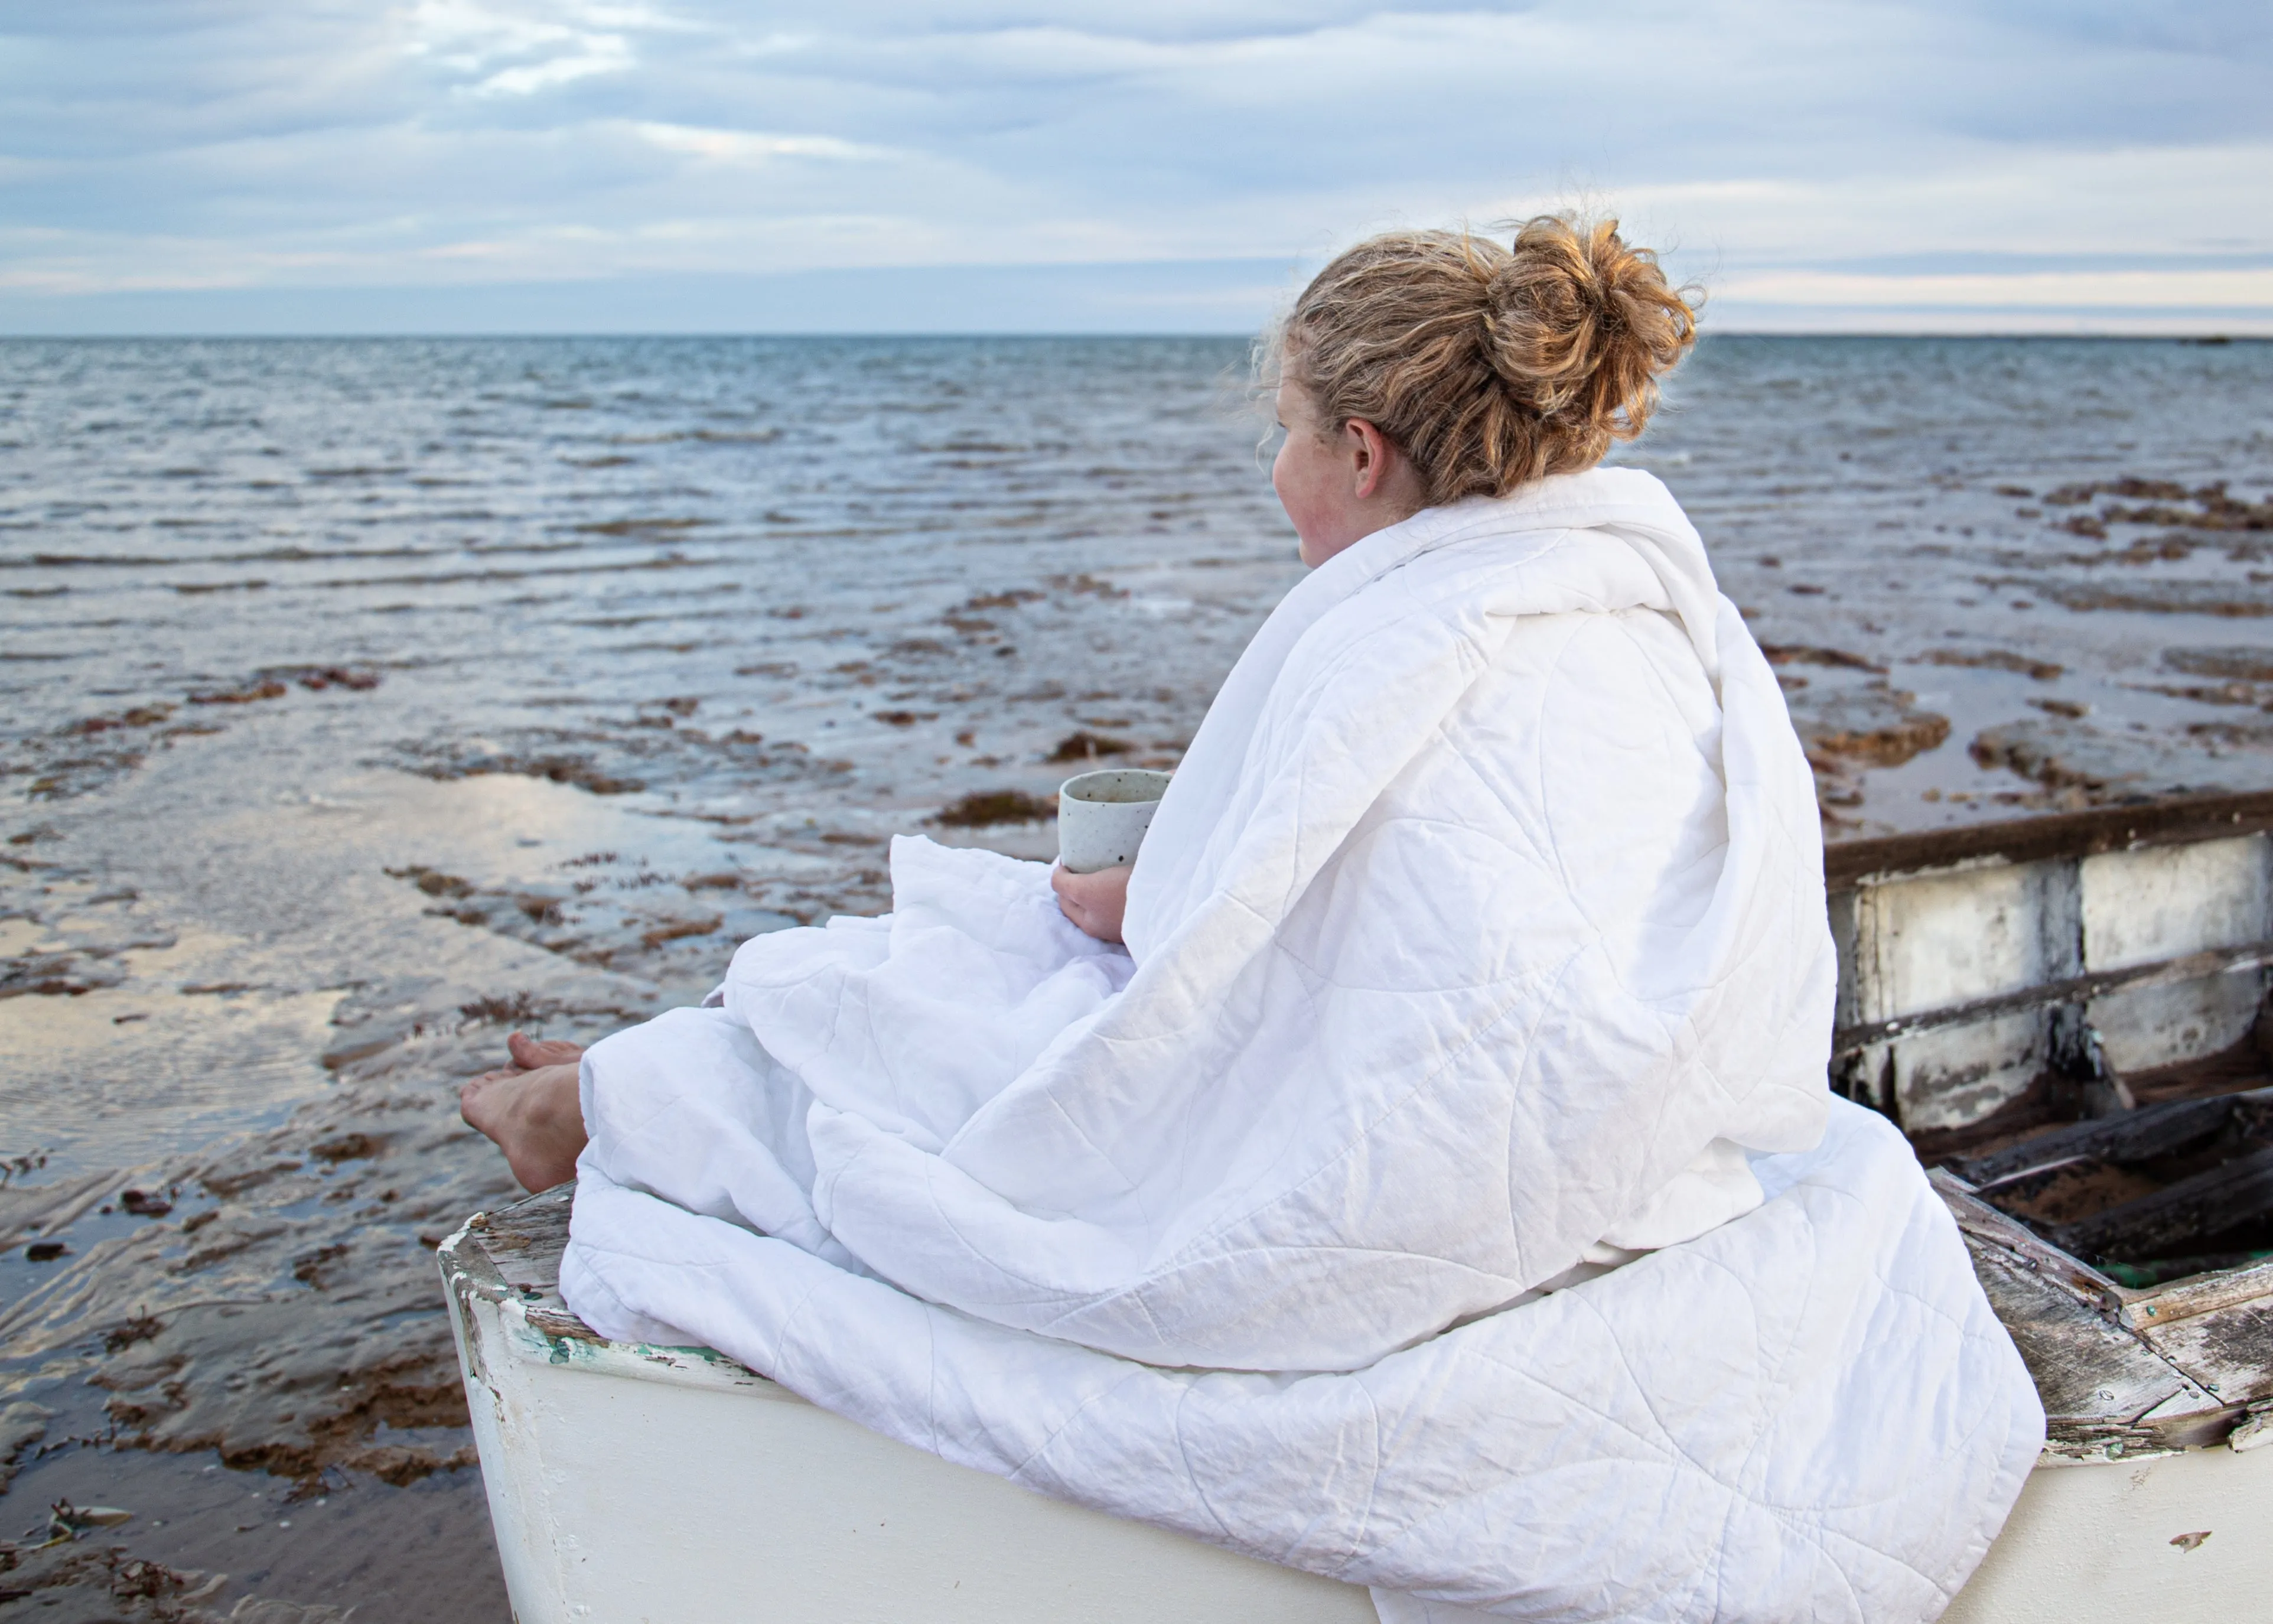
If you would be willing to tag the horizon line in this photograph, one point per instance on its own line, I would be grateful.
(2208, 336)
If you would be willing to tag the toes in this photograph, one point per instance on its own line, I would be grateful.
(476, 1103)
(530, 1052)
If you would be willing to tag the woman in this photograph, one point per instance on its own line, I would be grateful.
(1440, 1192)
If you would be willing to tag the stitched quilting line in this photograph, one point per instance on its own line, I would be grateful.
(1812, 1524)
(1810, 1521)
(1189, 1255)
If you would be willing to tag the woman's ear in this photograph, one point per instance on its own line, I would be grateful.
(1371, 458)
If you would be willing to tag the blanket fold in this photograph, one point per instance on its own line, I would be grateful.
(1481, 934)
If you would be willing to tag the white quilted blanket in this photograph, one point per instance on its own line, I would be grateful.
(1479, 944)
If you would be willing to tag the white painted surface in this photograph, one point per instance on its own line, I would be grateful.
(707, 1496)
(1944, 940)
(1961, 1074)
(2167, 901)
(1912, 945)
(2141, 1028)
(634, 1486)
(1927, 943)
(2140, 907)
(2092, 1543)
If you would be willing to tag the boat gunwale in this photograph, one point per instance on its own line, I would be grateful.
(2169, 820)
(541, 1332)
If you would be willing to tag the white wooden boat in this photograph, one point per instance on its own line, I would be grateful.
(2066, 1015)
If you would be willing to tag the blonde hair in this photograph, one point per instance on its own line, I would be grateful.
(1488, 367)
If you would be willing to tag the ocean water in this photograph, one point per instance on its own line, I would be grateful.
(365, 699)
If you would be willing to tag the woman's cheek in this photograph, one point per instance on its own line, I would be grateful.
(1286, 480)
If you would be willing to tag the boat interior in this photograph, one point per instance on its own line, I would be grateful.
(2067, 1015)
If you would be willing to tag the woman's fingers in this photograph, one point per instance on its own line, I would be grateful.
(1094, 902)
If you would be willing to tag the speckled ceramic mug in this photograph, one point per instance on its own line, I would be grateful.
(1102, 817)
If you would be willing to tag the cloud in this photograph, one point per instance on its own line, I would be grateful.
(746, 146)
(1771, 145)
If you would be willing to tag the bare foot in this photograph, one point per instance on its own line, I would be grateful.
(531, 1109)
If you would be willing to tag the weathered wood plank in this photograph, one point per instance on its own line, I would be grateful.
(1984, 1226)
(2198, 1294)
(1853, 1040)
(2173, 1218)
(2229, 1351)
(523, 1243)
(2141, 907)
(2174, 820)
(2106, 1387)
(2096, 1380)
(2151, 1130)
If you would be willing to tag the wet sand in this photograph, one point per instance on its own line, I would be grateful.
(362, 715)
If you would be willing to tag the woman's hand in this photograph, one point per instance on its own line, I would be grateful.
(1093, 901)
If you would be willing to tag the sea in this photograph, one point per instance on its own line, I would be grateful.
(362, 700)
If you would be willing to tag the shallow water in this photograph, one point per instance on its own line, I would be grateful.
(366, 699)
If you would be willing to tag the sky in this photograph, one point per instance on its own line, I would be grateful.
(238, 166)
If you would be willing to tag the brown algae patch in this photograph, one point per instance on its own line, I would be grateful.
(1877, 727)
(1086, 746)
(1994, 660)
(985, 808)
(2245, 664)
(2061, 755)
(578, 771)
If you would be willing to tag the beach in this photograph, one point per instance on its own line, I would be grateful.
(370, 699)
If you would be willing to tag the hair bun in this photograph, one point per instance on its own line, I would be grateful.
(1581, 322)
(1491, 366)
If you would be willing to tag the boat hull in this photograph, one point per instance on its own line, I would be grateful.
(632, 1485)
(2109, 1540)
(670, 1485)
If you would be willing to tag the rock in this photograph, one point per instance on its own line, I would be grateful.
(2060, 754)
(22, 1425)
(1805, 654)
(1875, 725)
(1084, 745)
(79, 1581)
(2233, 664)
